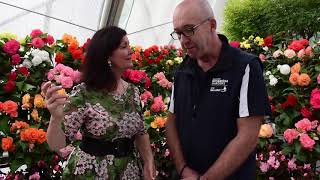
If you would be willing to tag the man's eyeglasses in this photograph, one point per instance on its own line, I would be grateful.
(187, 32)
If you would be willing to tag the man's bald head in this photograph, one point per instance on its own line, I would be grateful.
(193, 9)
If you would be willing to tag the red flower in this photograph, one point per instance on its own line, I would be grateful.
(137, 76)
(50, 39)
(304, 42)
(235, 44)
(77, 54)
(268, 41)
(35, 33)
(11, 47)
(9, 86)
(23, 70)
(15, 59)
(37, 43)
(146, 53)
(291, 102)
(148, 83)
(59, 57)
(86, 44)
(296, 45)
(305, 112)
(273, 108)
(12, 76)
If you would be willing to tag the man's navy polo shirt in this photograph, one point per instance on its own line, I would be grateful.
(208, 104)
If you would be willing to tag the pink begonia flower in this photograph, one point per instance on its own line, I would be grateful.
(50, 75)
(37, 43)
(277, 53)
(318, 78)
(76, 76)
(290, 135)
(165, 83)
(66, 82)
(315, 98)
(11, 47)
(262, 57)
(35, 176)
(35, 33)
(318, 128)
(289, 53)
(314, 124)
(304, 125)
(264, 167)
(309, 51)
(306, 141)
(301, 53)
(291, 164)
(159, 76)
(158, 104)
(67, 71)
(64, 152)
(145, 96)
(78, 136)
(307, 166)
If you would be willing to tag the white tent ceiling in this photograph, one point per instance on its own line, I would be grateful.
(147, 22)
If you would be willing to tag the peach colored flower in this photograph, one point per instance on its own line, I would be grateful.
(146, 113)
(306, 141)
(26, 101)
(42, 136)
(296, 68)
(277, 53)
(35, 115)
(290, 134)
(294, 78)
(19, 125)
(39, 101)
(301, 53)
(266, 131)
(289, 53)
(160, 121)
(304, 80)
(158, 104)
(262, 57)
(159, 76)
(64, 152)
(303, 125)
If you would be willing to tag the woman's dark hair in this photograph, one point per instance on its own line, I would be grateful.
(96, 73)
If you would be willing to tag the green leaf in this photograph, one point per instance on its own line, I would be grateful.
(286, 149)
(297, 147)
(317, 67)
(15, 164)
(4, 125)
(301, 157)
(28, 87)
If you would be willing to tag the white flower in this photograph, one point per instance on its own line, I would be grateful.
(178, 60)
(273, 81)
(27, 63)
(44, 55)
(271, 76)
(265, 48)
(35, 52)
(277, 53)
(36, 60)
(278, 67)
(166, 100)
(268, 73)
(285, 69)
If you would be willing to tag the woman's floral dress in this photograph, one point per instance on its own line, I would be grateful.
(107, 116)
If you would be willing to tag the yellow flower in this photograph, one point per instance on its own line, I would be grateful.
(61, 91)
(251, 37)
(35, 115)
(26, 98)
(153, 125)
(8, 35)
(247, 46)
(259, 41)
(39, 101)
(178, 60)
(266, 131)
(146, 113)
(22, 41)
(170, 62)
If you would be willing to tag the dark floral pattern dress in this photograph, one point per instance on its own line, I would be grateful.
(105, 116)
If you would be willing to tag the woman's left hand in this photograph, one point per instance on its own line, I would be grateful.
(149, 171)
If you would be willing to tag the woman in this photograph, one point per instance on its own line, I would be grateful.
(107, 111)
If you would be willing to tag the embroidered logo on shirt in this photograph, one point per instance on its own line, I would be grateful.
(219, 85)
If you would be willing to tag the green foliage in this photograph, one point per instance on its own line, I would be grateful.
(263, 17)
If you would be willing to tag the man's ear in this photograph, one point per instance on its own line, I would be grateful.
(213, 23)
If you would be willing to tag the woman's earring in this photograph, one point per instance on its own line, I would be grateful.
(109, 63)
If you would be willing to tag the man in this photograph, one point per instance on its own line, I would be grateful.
(218, 101)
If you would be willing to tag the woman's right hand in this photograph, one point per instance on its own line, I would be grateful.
(54, 100)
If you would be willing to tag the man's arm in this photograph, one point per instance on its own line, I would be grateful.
(232, 158)
(175, 148)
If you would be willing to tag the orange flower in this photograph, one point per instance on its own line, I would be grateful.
(266, 131)
(61, 91)
(24, 135)
(35, 115)
(41, 136)
(10, 108)
(19, 125)
(7, 144)
(137, 49)
(294, 78)
(160, 121)
(304, 80)
(74, 42)
(33, 135)
(39, 101)
(146, 113)
(296, 68)
(66, 38)
(26, 102)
